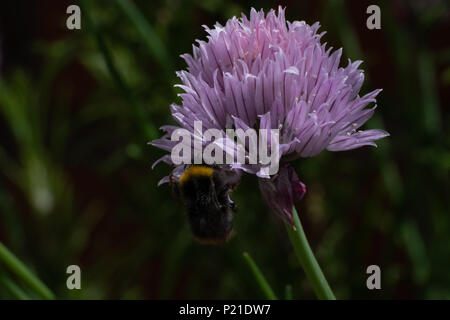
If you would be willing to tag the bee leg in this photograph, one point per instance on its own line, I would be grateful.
(174, 185)
(223, 193)
(233, 186)
(232, 205)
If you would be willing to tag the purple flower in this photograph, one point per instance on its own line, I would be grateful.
(265, 73)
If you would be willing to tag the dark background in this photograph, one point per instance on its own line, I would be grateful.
(76, 185)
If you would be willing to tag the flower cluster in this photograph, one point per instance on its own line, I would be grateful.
(266, 73)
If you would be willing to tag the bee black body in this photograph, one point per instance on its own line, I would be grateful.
(209, 207)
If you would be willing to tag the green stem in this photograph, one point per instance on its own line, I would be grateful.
(148, 34)
(15, 290)
(148, 130)
(307, 260)
(260, 277)
(288, 292)
(22, 272)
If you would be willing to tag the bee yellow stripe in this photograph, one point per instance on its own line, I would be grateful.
(196, 171)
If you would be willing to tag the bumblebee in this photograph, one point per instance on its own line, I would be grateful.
(206, 194)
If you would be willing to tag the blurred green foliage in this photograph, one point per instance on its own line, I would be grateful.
(78, 107)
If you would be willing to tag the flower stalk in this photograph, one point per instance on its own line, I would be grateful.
(10, 261)
(268, 292)
(307, 259)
